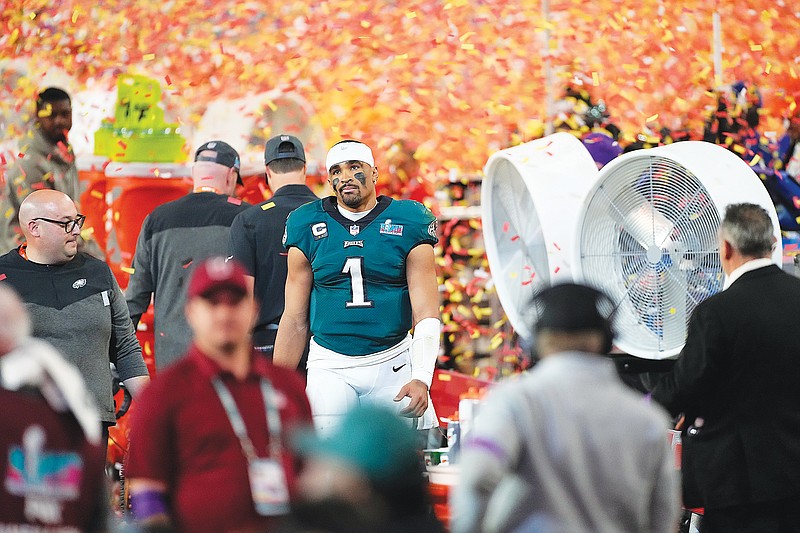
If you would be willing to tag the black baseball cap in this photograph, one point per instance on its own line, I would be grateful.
(284, 147)
(224, 154)
(573, 307)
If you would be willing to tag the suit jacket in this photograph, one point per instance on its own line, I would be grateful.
(740, 372)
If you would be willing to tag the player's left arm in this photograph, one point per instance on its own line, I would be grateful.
(423, 290)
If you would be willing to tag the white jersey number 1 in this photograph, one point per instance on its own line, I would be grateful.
(354, 266)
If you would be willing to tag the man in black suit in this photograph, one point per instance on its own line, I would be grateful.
(738, 380)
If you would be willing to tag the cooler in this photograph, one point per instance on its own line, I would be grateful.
(133, 190)
(92, 178)
(440, 480)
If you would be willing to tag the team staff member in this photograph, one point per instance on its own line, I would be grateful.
(217, 422)
(73, 299)
(586, 452)
(48, 163)
(737, 381)
(361, 274)
(256, 234)
(176, 237)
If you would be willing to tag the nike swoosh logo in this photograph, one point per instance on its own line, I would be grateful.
(397, 368)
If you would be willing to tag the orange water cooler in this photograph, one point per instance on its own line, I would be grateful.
(132, 191)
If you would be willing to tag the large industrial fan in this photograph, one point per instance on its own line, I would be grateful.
(530, 199)
(647, 236)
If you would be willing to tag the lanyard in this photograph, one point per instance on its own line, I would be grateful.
(235, 418)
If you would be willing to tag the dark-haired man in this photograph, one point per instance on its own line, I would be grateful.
(48, 163)
(210, 438)
(736, 382)
(361, 275)
(175, 238)
(256, 234)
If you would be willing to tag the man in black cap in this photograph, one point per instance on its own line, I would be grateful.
(256, 234)
(177, 236)
(582, 451)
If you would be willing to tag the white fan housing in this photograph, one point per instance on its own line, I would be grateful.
(647, 236)
(530, 197)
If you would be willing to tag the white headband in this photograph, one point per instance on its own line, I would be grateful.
(349, 151)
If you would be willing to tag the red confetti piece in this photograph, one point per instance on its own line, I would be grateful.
(506, 227)
(234, 201)
(2, 277)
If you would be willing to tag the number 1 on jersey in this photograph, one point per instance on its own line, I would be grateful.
(354, 266)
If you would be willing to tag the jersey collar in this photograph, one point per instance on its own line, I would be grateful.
(329, 205)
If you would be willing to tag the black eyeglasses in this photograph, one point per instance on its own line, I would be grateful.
(68, 225)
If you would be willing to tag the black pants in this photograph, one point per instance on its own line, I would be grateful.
(781, 516)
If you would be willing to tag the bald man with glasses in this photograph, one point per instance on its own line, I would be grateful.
(74, 300)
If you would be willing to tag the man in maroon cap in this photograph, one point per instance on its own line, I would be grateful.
(209, 436)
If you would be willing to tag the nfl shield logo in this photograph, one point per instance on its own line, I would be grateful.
(354, 229)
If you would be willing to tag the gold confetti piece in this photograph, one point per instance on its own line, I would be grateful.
(269, 205)
(128, 270)
(496, 341)
(148, 57)
(652, 118)
(756, 48)
(595, 79)
(411, 14)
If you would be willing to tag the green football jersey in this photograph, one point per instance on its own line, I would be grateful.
(359, 300)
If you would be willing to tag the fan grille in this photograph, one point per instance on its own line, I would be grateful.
(648, 238)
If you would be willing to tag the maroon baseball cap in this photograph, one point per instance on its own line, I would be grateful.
(217, 273)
